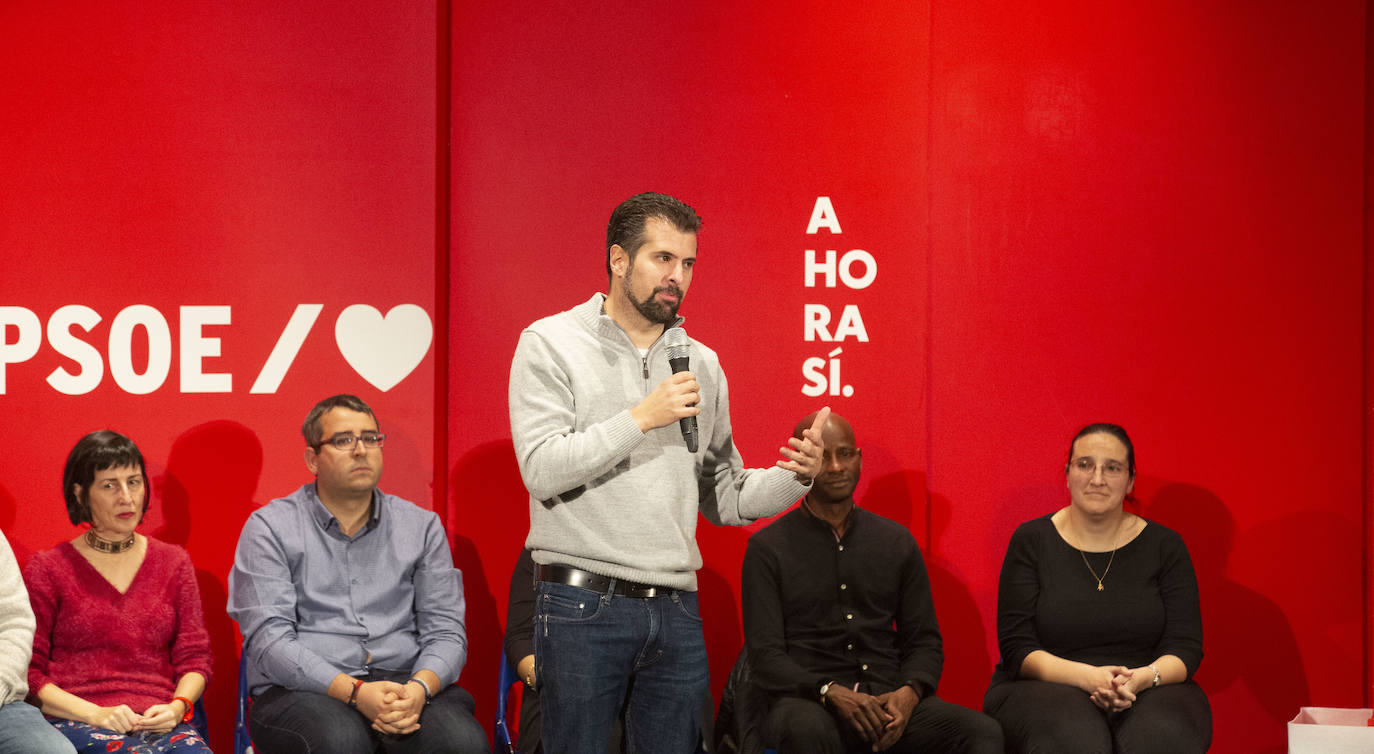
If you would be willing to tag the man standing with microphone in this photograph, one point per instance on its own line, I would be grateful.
(614, 491)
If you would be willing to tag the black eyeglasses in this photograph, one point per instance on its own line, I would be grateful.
(345, 442)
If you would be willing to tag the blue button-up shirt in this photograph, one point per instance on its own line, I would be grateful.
(313, 603)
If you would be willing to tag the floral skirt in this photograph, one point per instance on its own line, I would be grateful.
(90, 738)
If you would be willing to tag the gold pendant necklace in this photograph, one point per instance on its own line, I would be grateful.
(1094, 573)
(105, 545)
(1115, 537)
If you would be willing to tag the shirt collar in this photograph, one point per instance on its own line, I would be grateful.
(849, 520)
(324, 518)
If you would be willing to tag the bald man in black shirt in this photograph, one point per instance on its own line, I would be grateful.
(841, 630)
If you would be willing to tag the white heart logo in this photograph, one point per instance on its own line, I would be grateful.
(383, 350)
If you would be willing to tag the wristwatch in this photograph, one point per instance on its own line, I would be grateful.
(824, 688)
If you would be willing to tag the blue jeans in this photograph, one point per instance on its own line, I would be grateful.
(596, 653)
(24, 730)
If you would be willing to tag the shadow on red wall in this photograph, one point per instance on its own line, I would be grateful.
(967, 665)
(483, 486)
(1247, 639)
(206, 495)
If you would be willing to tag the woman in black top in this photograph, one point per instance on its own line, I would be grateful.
(1098, 621)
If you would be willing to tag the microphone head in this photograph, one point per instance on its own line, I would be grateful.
(676, 340)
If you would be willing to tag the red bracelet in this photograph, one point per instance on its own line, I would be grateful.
(353, 697)
(190, 711)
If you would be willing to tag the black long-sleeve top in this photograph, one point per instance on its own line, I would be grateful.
(857, 610)
(1048, 599)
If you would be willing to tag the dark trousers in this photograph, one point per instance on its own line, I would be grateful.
(1038, 716)
(803, 726)
(283, 721)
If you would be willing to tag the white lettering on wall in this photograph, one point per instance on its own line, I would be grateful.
(196, 347)
(817, 317)
(846, 268)
(288, 345)
(121, 349)
(85, 355)
(856, 269)
(823, 216)
(811, 267)
(382, 349)
(818, 382)
(28, 337)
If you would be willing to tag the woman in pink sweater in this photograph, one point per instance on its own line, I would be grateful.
(120, 653)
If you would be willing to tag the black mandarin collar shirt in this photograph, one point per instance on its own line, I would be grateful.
(856, 610)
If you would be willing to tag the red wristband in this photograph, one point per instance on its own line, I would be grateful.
(353, 697)
(190, 710)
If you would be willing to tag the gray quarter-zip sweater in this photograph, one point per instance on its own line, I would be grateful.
(604, 496)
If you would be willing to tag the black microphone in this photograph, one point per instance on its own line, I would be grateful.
(676, 340)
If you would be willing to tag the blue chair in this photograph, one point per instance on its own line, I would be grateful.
(502, 743)
(243, 744)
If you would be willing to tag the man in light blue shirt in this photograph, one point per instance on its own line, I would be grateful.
(350, 608)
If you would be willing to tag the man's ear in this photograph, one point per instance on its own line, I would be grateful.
(620, 260)
(312, 460)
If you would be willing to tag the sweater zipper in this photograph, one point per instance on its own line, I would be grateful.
(644, 363)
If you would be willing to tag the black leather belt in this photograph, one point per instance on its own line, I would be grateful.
(557, 573)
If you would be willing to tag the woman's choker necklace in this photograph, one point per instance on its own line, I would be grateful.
(105, 545)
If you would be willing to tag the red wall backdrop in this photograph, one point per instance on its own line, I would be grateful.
(1044, 215)
(1153, 214)
(252, 157)
(1147, 214)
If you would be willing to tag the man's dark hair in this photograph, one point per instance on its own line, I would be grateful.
(311, 429)
(96, 452)
(1107, 428)
(626, 227)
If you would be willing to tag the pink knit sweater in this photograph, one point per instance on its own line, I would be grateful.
(110, 648)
